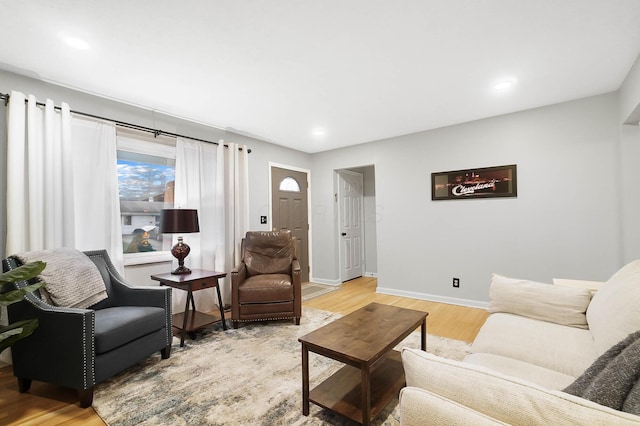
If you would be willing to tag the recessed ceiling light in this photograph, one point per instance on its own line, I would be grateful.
(318, 132)
(76, 43)
(504, 84)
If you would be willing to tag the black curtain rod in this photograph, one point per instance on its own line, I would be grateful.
(155, 132)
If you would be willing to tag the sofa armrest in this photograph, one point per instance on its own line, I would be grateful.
(296, 277)
(419, 407)
(238, 275)
(504, 398)
(63, 338)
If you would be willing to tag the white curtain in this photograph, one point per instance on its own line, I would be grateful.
(212, 180)
(233, 175)
(62, 185)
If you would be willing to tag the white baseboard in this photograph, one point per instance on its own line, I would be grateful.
(338, 282)
(324, 281)
(434, 298)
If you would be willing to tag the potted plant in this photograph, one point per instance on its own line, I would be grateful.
(11, 333)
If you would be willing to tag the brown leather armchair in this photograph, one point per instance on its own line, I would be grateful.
(266, 284)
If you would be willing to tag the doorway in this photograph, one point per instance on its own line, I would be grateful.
(370, 215)
(350, 223)
(289, 210)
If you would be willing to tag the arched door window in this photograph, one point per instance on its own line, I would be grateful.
(289, 184)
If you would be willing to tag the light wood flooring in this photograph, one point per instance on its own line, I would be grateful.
(52, 405)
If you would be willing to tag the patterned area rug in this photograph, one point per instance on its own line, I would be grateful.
(246, 376)
(311, 290)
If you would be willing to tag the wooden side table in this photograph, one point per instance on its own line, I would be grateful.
(198, 279)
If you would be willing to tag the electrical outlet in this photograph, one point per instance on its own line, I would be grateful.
(456, 282)
(263, 220)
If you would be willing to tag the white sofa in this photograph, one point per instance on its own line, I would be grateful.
(538, 339)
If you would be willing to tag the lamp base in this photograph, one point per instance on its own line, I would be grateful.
(181, 270)
(180, 251)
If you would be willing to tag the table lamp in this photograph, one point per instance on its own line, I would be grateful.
(179, 221)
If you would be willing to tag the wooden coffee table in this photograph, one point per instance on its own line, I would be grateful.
(364, 339)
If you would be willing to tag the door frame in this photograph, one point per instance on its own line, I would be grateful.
(336, 174)
(270, 206)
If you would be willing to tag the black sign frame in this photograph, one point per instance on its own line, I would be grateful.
(484, 182)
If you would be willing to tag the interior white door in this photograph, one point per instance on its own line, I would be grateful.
(350, 196)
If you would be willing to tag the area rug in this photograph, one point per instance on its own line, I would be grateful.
(312, 290)
(246, 376)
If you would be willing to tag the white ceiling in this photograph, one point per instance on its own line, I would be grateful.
(361, 69)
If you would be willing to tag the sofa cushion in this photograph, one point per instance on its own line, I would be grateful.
(557, 304)
(536, 342)
(610, 379)
(421, 407)
(120, 325)
(544, 377)
(614, 311)
(508, 399)
(268, 288)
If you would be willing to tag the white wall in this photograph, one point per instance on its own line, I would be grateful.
(630, 95)
(565, 221)
(629, 159)
(630, 192)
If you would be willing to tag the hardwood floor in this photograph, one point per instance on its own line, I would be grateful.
(454, 322)
(52, 405)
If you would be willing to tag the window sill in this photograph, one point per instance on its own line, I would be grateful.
(149, 257)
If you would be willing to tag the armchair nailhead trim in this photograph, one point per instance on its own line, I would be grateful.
(263, 319)
(169, 317)
(84, 351)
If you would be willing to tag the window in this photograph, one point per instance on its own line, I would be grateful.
(289, 184)
(146, 176)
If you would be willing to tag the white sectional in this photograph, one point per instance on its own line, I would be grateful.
(538, 339)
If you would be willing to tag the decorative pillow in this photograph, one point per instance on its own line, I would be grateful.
(73, 280)
(545, 302)
(612, 380)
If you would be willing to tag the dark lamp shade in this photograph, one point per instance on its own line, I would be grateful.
(179, 221)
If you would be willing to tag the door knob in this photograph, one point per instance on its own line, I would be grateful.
(344, 234)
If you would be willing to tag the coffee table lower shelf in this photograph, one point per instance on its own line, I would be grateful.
(341, 392)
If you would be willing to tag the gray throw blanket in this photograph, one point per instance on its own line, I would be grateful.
(612, 380)
(73, 280)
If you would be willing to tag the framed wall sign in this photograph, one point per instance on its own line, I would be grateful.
(487, 182)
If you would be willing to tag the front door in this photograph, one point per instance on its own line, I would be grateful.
(290, 210)
(350, 194)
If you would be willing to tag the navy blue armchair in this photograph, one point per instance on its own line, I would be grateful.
(79, 348)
